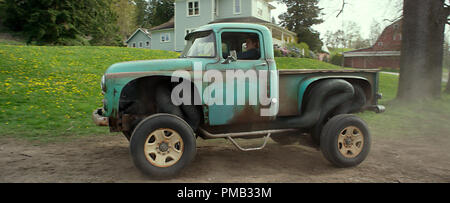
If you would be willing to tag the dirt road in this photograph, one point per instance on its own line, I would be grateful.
(106, 159)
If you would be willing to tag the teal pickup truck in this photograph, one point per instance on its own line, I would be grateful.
(226, 84)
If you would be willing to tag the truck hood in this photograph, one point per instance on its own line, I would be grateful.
(151, 65)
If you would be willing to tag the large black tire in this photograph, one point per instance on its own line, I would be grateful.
(345, 140)
(147, 161)
(352, 106)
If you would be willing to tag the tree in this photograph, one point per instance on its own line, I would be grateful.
(422, 49)
(100, 22)
(62, 22)
(142, 13)
(301, 15)
(310, 37)
(447, 63)
(161, 11)
(359, 42)
(125, 11)
(335, 39)
(447, 90)
(375, 32)
(352, 36)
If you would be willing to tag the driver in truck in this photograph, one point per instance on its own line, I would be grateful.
(252, 50)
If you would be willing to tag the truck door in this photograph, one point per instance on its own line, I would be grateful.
(238, 77)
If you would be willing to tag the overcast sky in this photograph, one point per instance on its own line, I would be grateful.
(363, 12)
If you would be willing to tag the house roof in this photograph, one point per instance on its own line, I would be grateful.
(325, 49)
(239, 20)
(251, 20)
(167, 25)
(388, 46)
(143, 30)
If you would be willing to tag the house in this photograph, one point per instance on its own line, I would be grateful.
(191, 14)
(384, 53)
(141, 38)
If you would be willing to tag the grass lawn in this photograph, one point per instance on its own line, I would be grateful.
(49, 93)
(304, 63)
(10, 42)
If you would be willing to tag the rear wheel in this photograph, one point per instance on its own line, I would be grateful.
(345, 140)
(352, 106)
(162, 145)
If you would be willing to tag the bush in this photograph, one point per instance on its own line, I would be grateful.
(277, 53)
(294, 54)
(56, 22)
(300, 46)
(326, 59)
(2, 10)
(337, 59)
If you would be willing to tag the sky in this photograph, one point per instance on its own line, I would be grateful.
(362, 12)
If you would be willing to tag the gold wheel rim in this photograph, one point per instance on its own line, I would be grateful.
(163, 147)
(350, 142)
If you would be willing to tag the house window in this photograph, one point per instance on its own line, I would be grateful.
(237, 6)
(147, 43)
(193, 8)
(259, 6)
(396, 26)
(165, 37)
(134, 45)
(380, 44)
(141, 45)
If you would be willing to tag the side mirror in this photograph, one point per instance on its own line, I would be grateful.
(231, 58)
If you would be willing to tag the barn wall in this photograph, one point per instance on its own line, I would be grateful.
(372, 62)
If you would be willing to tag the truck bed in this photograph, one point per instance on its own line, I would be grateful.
(291, 81)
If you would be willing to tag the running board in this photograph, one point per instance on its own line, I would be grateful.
(209, 135)
(249, 149)
(230, 136)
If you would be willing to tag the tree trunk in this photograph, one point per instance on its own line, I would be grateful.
(422, 50)
(447, 90)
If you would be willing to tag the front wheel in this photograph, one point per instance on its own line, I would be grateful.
(345, 140)
(162, 145)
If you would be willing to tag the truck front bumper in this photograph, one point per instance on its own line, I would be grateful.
(99, 119)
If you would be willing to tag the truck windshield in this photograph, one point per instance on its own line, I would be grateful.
(200, 44)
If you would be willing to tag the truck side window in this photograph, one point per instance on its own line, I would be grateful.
(245, 44)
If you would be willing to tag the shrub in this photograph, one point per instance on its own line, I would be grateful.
(337, 59)
(277, 53)
(294, 54)
(300, 46)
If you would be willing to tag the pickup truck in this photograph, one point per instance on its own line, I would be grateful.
(142, 100)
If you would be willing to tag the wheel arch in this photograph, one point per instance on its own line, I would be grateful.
(307, 84)
(137, 97)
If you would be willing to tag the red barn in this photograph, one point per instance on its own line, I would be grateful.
(384, 53)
